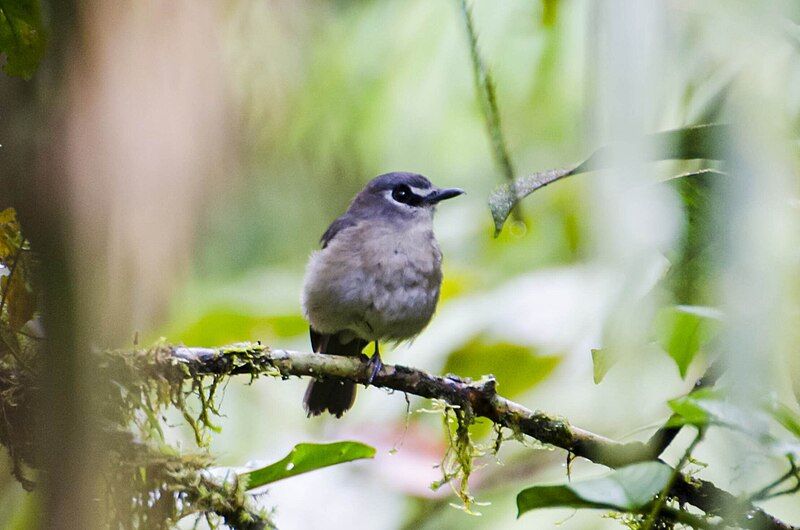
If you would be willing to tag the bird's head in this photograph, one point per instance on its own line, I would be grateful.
(400, 195)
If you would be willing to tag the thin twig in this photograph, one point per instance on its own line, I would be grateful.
(661, 501)
(766, 492)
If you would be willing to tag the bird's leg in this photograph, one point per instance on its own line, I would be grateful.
(375, 364)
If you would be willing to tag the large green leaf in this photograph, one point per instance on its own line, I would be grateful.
(683, 330)
(306, 457)
(22, 37)
(689, 143)
(629, 488)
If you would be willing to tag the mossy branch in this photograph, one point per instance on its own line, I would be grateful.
(479, 397)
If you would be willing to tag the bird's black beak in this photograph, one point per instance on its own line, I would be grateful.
(442, 194)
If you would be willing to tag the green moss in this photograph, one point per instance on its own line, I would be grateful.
(459, 460)
(153, 484)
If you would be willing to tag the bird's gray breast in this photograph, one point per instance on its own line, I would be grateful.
(380, 280)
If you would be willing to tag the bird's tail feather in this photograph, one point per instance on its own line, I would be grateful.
(332, 394)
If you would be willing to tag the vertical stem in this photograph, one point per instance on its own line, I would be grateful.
(485, 89)
(662, 497)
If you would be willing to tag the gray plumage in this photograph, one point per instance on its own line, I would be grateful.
(376, 278)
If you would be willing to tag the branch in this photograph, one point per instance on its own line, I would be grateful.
(479, 396)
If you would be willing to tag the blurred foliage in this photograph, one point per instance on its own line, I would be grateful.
(683, 330)
(22, 36)
(549, 12)
(517, 368)
(17, 303)
(224, 326)
(18, 346)
(714, 407)
(693, 263)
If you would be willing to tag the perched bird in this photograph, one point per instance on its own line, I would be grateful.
(376, 278)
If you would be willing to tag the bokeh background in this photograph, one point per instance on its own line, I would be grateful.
(221, 141)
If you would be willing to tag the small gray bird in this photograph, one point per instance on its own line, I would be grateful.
(376, 278)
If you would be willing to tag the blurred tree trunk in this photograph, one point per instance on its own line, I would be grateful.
(105, 155)
(65, 426)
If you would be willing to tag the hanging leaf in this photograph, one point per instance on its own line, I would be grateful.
(306, 457)
(629, 489)
(683, 330)
(22, 37)
(602, 361)
(689, 143)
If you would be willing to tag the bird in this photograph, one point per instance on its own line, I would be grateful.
(376, 278)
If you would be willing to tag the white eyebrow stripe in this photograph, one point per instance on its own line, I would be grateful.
(422, 192)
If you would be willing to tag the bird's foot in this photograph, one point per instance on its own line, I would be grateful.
(375, 364)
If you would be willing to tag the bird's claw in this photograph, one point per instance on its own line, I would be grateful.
(375, 364)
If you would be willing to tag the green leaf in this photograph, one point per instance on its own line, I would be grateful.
(709, 406)
(702, 194)
(689, 412)
(306, 457)
(789, 419)
(682, 330)
(602, 361)
(517, 368)
(630, 488)
(689, 143)
(22, 37)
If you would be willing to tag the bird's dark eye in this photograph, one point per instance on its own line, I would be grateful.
(403, 193)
